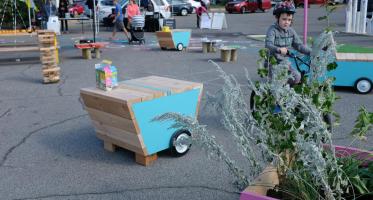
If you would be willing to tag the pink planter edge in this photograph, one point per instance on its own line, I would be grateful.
(341, 151)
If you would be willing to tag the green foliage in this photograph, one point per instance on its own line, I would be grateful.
(284, 128)
(329, 9)
(7, 10)
(363, 124)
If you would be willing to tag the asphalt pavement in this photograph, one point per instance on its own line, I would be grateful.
(48, 147)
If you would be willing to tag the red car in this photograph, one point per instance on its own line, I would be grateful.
(243, 6)
(76, 9)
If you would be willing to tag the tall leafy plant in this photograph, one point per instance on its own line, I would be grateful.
(291, 139)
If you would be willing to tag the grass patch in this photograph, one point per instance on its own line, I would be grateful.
(347, 48)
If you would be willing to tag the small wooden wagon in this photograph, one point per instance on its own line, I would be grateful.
(174, 39)
(123, 117)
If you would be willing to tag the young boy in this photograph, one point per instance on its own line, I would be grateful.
(118, 21)
(280, 37)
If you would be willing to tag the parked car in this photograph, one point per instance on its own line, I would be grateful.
(104, 9)
(274, 2)
(76, 9)
(180, 7)
(195, 5)
(243, 6)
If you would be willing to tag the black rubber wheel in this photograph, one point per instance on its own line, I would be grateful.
(363, 86)
(180, 143)
(243, 10)
(163, 48)
(179, 47)
(183, 12)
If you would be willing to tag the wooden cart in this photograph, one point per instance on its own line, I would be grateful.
(122, 117)
(174, 39)
(354, 70)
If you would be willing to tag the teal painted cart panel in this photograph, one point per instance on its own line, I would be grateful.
(182, 37)
(348, 72)
(157, 135)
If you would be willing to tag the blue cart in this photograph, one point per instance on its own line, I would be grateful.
(123, 117)
(174, 39)
(354, 70)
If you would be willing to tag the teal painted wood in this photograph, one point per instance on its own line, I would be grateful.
(348, 72)
(182, 37)
(157, 135)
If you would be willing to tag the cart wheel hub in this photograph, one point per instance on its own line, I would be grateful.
(363, 86)
(182, 143)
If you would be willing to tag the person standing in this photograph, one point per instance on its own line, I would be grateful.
(49, 10)
(132, 10)
(199, 11)
(62, 9)
(118, 21)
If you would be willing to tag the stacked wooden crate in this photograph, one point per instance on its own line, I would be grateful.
(49, 56)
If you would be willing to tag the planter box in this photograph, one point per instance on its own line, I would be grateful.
(269, 177)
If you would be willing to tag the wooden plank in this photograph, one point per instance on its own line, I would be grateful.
(51, 70)
(154, 93)
(354, 56)
(199, 102)
(165, 84)
(118, 143)
(113, 107)
(265, 181)
(118, 134)
(145, 160)
(47, 48)
(114, 120)
(123, 94)
(19, 48)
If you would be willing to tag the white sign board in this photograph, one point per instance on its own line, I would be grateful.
(205, 21)
(217, 21)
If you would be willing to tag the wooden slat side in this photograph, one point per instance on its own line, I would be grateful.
(168, 84)
(113, 120)
(118, 143)
(354, 56)
(116, 94)
(154, 93)
(16, 49)
(106, 105)
(124, 92)
(176, 81)
(199, 102)
(121, 135)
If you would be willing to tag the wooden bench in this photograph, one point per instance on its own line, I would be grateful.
(228, 54)
(88, 47)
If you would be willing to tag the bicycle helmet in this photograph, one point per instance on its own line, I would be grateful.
(284, 7)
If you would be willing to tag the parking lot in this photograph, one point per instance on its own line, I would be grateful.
(48, 147)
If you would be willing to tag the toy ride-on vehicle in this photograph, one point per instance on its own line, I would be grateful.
(174, 39)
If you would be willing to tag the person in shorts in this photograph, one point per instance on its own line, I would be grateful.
(118, 21)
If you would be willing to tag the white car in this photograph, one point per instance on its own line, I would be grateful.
(104, 9)
(195, 4)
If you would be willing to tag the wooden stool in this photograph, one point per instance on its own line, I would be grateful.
(228, 54)
(208, 46)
